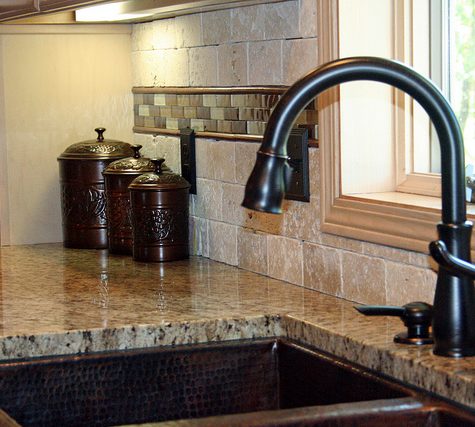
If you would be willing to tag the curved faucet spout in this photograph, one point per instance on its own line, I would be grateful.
(454, 303)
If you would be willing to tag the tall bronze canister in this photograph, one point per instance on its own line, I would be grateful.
(118, 176)
(159, 205)
(83, 199)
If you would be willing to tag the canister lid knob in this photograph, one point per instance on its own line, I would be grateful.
(100, 133)
(158, 165)
(136, 148)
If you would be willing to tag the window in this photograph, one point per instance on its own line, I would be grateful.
(383, 206)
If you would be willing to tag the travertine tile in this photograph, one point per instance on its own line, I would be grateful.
(302, 220)
(210, 100)
(252, 250)
(188, 30)
(190, 112)
(386, 252)
(223, 100)
(146, 141)
(197, 124)
(256, 128)
(282, 20)
(216, 27)
(298, 57)
(308, 18)
(314, 171)
(265, 63)
(209, 199)
(234, 213)
(221, 161)
(183, 100)
(163, 34)
(203, 66)
(421, 260)
(285, 259)
(222, 242)
(172, 123)
(142, 36)
(245, 160)
(322, 269)
(224, 126)
(406, 283)
(202, 158)
(144, 110)
(175, 66)
(217, 113)
(168, 147)
(146, 69)
(363, 278)
(238, 126)
(341, 242)
(199, 236)
(248, 23)
(232, 64)
(177, 111)
(148, 121)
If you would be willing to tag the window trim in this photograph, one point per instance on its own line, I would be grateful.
(406, 227)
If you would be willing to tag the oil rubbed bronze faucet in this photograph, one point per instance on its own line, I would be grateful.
(453, 323)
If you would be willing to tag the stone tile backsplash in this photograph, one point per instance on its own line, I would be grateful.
(233, 113)
(262, 45)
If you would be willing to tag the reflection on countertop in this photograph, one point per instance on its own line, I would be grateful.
(65, 301)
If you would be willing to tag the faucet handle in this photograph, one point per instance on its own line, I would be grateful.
(417, 316)
(455, 265)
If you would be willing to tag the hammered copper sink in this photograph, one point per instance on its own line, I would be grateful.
(271, 382)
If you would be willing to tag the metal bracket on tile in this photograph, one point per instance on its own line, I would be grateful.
(297, 150)
(188, 157)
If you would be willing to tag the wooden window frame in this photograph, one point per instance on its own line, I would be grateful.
(388, 223)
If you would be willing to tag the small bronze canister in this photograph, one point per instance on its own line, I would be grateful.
(83, 199)
(118, 176)
(159, 206)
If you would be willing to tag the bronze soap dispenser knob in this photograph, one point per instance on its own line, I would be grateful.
(417, 316)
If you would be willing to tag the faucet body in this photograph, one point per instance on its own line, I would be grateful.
(454, 303)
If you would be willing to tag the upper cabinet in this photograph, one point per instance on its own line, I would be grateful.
(57, 5)
(10, 9)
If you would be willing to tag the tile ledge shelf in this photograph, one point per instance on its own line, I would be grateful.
(210, 135)
(225, 90)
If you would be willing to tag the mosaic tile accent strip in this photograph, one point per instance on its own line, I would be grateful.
(212, 110)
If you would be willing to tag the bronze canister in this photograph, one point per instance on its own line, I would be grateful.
(159, 206)
(83, 200)
(118, 176)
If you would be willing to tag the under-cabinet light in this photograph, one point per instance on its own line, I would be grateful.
(108, 13)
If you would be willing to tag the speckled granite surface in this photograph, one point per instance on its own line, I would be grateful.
(64, 301)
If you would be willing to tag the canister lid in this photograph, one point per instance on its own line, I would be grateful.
(97, 149)
(159, 179)
(132, 165)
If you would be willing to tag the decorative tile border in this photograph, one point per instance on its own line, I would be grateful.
(239, 113)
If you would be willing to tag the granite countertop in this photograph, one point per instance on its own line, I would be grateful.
(65, 301)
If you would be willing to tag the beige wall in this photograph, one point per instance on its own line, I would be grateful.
(271, 44)
(56, 85)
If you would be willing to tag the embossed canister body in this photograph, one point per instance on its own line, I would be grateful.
(118, 176)
(83, 200)
(159, 206)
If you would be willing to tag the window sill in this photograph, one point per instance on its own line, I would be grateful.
(410, 200)
(402, 220)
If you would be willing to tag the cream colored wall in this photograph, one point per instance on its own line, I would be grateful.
(57, 84)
